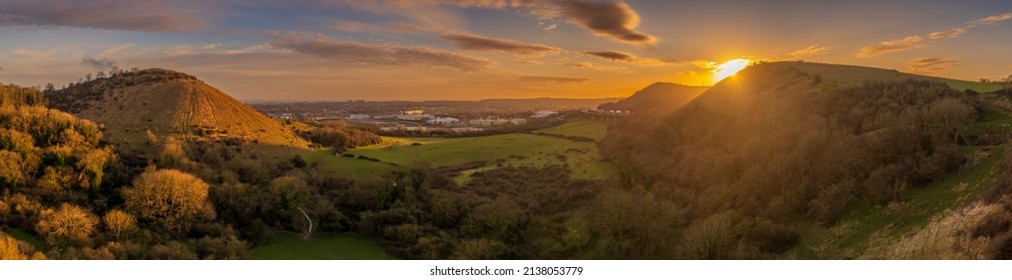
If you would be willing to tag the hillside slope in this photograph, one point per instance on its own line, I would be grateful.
(762, 159)
(851, 75)
(660, 97)
(168, 103)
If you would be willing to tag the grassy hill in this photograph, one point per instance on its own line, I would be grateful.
(850, 75)
(661, 97)
(808, 160)
(168, 103)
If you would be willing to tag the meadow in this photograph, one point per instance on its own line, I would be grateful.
(322, 246)
(549, 147)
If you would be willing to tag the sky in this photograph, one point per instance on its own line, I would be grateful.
(477, 49)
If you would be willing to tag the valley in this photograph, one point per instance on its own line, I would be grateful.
(807, 182)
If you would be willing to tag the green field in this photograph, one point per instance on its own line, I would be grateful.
(594, 129)
(516, 149)
(323, 246)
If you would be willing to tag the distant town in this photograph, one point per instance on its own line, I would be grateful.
(438, 117)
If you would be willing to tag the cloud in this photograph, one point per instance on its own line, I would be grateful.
(98, 64)
(428, 12)
(613, 55)
(810, 51)
(353, 27)
(160, 16)
(467, 41)
(993, 19)
(932, 65)
(480, 43)
(33, 54)
(626, 57)
(614, 19)
(528, 61)
(591, 66)
(364, 54)
(551, 79)
(951, 33)
(907, 43)
(917, 41)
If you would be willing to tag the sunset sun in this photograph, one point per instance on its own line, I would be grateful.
(729, 68)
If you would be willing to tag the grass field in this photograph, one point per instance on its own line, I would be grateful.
(517, 149)
(594, 129)
(323, 246)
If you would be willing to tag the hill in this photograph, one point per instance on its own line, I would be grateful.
(851, 75)
(168, 103)
(762, 161)
(661, 97)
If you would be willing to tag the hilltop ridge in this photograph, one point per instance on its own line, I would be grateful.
(659, 96)
(167, 103)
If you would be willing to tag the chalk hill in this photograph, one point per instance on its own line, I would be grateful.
(168, 103)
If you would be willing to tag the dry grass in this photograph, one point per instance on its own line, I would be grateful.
(185, 107)
(949, 237)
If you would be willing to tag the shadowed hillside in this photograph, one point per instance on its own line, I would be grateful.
(168, 103)
(656, 98)
(760, 159)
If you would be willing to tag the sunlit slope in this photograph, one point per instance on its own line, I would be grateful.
(168, 103)
(852, 75)
(660, 97)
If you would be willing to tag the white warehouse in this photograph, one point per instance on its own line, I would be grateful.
(446, 120)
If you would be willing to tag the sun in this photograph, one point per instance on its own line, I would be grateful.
(729, 68)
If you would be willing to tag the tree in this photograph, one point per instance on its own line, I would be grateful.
(170, 199)
(152, 138)
(11, 171)
(13, 249)
(92, 167)
(172, 153)
(70, 223)
(119, 223)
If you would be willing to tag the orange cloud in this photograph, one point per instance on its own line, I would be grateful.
(907, 43)
(480, 43)
(932, 65)
(810, 51)
(591, 66)
(366, 54)
(916, 41)
(626, 57)
(551, 79)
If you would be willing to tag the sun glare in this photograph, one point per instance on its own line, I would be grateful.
(729, 68)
